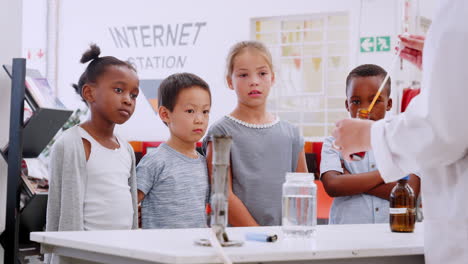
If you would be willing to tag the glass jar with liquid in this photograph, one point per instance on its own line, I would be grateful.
(402, 207)
(299, 217)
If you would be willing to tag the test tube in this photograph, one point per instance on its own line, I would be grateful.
(362, 113)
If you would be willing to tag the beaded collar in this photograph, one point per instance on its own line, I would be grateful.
(258, 126)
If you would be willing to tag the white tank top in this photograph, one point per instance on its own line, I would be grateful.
(107, 199)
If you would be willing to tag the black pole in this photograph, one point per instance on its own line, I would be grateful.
(15, 156)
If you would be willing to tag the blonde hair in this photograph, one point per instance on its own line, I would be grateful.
(238, 48)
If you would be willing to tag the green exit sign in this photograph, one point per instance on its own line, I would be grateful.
(382, 43)
(367, 44)
(375, 44)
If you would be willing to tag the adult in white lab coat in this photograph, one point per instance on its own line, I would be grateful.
(430, 137)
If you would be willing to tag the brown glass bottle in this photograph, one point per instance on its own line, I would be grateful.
(402, 207)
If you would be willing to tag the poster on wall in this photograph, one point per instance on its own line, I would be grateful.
(152, 37)
(155, 43)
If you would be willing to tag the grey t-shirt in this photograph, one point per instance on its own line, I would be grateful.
(175, 187)
(260, 158)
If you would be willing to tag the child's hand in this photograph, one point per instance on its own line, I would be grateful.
(352, 136)
(412, 49)
(141, 196)
(139, 215)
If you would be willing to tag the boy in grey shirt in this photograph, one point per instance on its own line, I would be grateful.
(172, 181)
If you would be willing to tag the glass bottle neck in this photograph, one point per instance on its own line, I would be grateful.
(402, 182)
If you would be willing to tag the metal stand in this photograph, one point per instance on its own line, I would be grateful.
(25, 140)
(14, 158)
(219, 192)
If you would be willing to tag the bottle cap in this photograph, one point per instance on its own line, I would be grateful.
(300, 176)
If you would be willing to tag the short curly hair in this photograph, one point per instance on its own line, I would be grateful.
(368, 70)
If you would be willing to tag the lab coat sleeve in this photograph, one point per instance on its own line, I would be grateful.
(434, 129)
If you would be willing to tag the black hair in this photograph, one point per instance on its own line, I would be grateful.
(170, 88)
(96, 67)
(367, 70)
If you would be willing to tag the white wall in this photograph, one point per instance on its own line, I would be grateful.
(226, 23)
(34, 34)
(428, 7)
(83, 22)
(379, 18)
(10, 26)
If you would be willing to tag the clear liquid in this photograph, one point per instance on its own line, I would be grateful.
(299, 215)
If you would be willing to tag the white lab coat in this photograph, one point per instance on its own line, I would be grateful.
(432, 137)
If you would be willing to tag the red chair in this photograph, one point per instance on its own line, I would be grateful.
(324, 203)
(150, 144)
(314, 148)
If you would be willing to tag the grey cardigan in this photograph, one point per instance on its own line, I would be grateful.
(67, 184)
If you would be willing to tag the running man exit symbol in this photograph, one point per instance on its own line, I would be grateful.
(383, 43)
(367, 44)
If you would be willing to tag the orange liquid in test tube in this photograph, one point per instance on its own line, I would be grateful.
(361, 114)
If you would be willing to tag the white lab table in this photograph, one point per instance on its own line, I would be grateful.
(335, 244)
